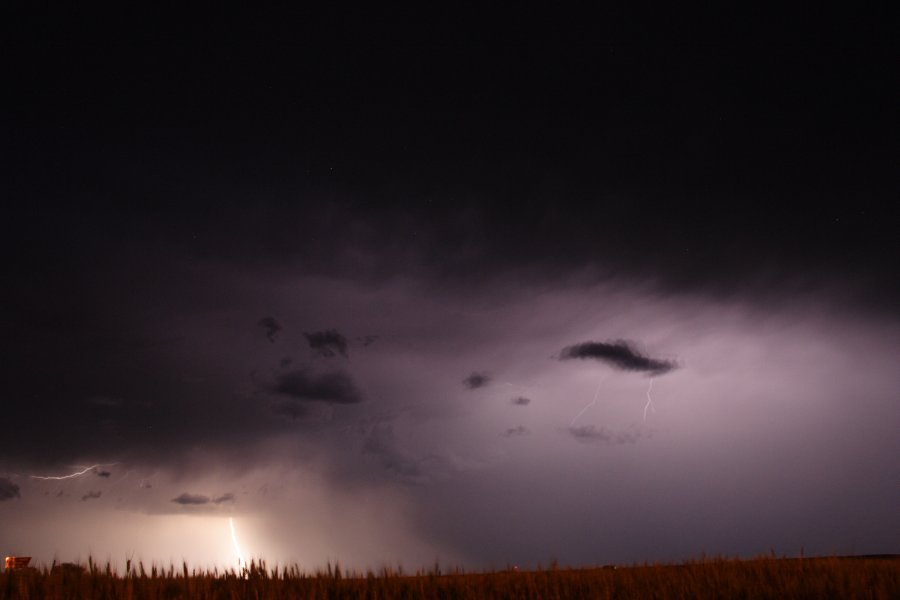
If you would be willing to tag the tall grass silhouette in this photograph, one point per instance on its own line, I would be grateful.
(870, 578)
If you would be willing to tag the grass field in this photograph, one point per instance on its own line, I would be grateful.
(784, 579)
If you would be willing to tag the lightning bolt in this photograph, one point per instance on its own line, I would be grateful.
(647, 406)
(72, 475)
(237, 549)
(649, 400)
(587, 406)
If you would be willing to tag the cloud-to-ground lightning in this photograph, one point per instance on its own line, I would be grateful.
(621, 355)
(649, 400)
(648, 406)
(241, 562)
(71, 475)
(587, 406)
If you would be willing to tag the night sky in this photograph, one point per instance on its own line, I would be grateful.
(482, 288)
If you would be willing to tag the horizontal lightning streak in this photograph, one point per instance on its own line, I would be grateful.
(72, 475)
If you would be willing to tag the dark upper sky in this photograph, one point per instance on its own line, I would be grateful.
(225, 233)
(702, 147)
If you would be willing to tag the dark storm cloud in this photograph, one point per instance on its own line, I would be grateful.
(590, 434)
(186, 499)
(492, 221)
(227, 497)
(515, 431)
(271, 325)
(105, 401)
(521, 401)
(327, 342)
(104, 474)
(292, 409)
(333, 388)
(285, 362)
(367, 340)
(380, 444)
(91, 496)
(619, 354)
(476, 380)
(8, 490)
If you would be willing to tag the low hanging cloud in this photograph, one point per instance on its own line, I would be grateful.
(515, 431)
(476, 380)
(521, 401)
(186, 499)
(271, 325)
(8, 489)
(619, 354)
(402, 466)
(333, 388)
(291, 408)
(327, 343)
(104, 474)
(106, 401)
(367, 340)
(590, 434)
(91, 496)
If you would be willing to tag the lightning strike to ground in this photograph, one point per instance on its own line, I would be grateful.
(649, 400)
(71, 475)
(237, 549)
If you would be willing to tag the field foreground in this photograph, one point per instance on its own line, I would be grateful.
(876, 577)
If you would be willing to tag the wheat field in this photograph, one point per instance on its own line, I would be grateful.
(871, 578)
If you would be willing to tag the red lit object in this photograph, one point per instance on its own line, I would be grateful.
(16, 562)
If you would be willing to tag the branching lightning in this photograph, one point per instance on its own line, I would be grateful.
(620, 355)
(649, 400)
(648, 406)
(237, 549)
(71, 475)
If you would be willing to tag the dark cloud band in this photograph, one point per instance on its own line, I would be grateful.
(518, 430)
(590, 434)
(272, 327)
(8, 489)
(186, 499)
(333, 388)
(476, 380)
(619, 354)
(327, 343)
